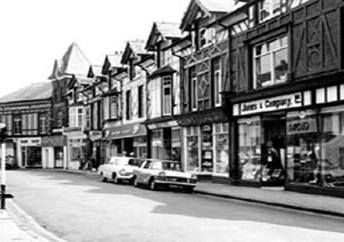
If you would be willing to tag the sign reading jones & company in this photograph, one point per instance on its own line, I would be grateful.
(272, 104)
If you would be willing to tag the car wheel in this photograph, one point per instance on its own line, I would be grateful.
(102, 177)
(114, 178)
(152, 185)
(189, 189)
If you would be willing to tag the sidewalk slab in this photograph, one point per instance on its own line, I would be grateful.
(10, 231)
(275, 197)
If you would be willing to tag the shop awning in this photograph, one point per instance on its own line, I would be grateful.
(126, 131)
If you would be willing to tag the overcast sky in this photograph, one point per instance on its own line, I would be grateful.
(35, 32)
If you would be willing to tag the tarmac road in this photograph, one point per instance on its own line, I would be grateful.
(77, 207)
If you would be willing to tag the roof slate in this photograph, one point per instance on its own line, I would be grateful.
(169, 30)
(35, 91)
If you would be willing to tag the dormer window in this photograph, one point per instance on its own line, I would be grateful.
(202, 38)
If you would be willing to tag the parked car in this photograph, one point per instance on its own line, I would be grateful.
(160, 173)
(119, 169)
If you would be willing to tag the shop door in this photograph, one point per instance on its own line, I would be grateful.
(274, 151)
(58, 157)
(34, 157)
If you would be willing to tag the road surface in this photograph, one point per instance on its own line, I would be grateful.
(77, 207)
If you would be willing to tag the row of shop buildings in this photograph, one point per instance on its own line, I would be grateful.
(244, 92)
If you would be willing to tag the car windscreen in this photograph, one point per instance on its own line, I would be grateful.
(170, 166)
(135, 162)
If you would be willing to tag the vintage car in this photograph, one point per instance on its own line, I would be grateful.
(161, 173)
(119, 169)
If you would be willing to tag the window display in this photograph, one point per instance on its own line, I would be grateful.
(315, 150)
(192, 149)
(207, 148)
(222, 148)
(250, 149)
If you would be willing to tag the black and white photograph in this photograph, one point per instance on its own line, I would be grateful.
(172, 121)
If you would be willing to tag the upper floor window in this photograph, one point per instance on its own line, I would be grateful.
(59, 119)
(167, 95)
(42, 124)
(270, 8)
(217, 80)
(75, 117)
(113, 107)
(270, 62)
(128, 105)
(88, 117)
(194, 87)
(17, 124)
(140, 98)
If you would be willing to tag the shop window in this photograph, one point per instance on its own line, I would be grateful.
(17, 124)
(88, 116)
(42, 125)
(176, 144)
(250, 149)
(221, 137)
(217, 80)
(192, 149)
(268, 9)
(140, 101)
(194, 88)
(128, 105)
(167, 95)
(207, 148)
(271, 62)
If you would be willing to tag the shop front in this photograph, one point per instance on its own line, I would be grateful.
(205, 148)
(95, 149)
(54, 151)
(126, 140)
(295, 140)
(29, 152)
(77, 152)
(165, 140)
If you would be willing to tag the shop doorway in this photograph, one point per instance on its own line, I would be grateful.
(274, 150)
(32, 156)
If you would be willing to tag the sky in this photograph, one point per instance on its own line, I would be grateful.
(34, 33)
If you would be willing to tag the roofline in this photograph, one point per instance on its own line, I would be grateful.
(26, 101)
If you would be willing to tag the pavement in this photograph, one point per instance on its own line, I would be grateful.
(270, 196)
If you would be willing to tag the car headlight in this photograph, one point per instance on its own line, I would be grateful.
(162, 173)
(122, 172)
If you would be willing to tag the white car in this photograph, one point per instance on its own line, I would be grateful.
(158, 173)
(119, 169)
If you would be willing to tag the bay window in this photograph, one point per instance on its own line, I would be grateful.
(270, 62)
(167, 95)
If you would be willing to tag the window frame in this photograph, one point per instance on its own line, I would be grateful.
(217, 89)
(128, 115)
(193, 87)
(42, 124)
(140, 101)
(17, 125)
(166, 86)
(271, 53)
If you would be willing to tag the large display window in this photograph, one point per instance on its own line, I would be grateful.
(250, 149)
(192, 149)
(316, 148)
(221, 137)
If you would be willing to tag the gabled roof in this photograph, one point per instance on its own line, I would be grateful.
(94, 70)
(73, 62)
(112, 61)
(133, 48)
(164, 31)
(34, 91)
(209, 8)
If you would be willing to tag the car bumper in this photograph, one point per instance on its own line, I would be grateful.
(125, 177)
(172, 183)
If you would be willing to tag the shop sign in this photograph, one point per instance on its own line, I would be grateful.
(197, 119)
(301, 126)
(272, 104)
(126, 131)
(54, 141)
(30, 142)
(95, 135)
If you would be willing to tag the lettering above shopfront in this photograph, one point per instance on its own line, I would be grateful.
(301, 126)
(272, 104)
(30, 142)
